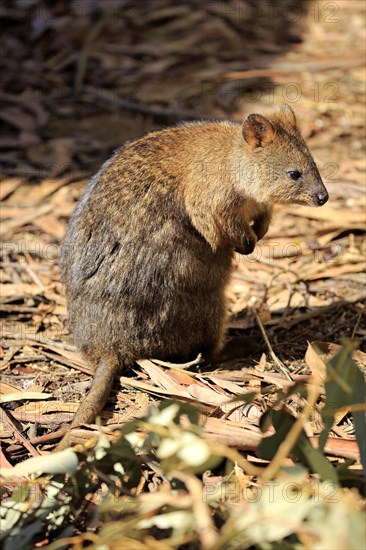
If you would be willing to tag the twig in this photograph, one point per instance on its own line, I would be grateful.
(41, 439)
(180, 366)
(37, 340)
(8, 420)
(18, 309)
(34, 277)
(111, 99)
(315, 313)
(359, 317)
(9, 356)
(48, 253)
(280, 365)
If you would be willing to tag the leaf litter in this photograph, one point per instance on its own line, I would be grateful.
(266, 449)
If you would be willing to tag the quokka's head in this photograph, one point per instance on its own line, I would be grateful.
(285, 171)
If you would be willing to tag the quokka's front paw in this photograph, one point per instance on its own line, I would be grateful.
(260, 225)
(260, 230)
(247, 245)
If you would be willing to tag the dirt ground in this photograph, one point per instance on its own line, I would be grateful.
(77, 83)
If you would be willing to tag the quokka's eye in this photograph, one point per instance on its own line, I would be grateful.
(294, 174)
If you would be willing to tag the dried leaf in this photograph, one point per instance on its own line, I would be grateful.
(31, 395)
(62, 462)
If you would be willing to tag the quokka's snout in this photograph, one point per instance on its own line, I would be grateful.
(320, 195)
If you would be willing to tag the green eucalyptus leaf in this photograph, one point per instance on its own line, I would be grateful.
(359, 397)
(315, 459)
(303, 450)
(344, 386)
(282, 422)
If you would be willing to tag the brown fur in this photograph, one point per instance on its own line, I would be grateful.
(148, 250)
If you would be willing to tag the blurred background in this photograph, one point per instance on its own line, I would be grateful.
(80, 78)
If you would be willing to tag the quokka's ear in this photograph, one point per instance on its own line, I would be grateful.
(287, 115)
(258, 131)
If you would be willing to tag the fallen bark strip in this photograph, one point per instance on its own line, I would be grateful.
(228, 433)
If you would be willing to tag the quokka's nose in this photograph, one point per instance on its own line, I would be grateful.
(322, 198)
